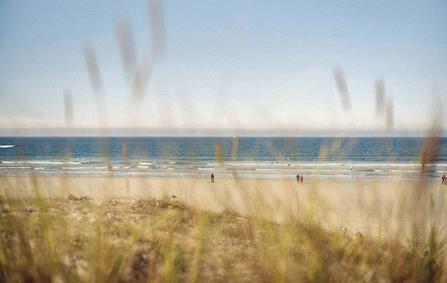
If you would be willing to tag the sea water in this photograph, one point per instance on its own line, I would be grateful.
(245, 157)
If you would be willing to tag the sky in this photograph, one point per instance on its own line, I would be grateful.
(223, 67)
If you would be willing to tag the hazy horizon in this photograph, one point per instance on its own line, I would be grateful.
(169, 67)
(126, 132)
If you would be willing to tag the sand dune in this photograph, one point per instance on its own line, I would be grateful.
(375, 208)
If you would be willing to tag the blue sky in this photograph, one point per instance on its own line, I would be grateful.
(228, 66)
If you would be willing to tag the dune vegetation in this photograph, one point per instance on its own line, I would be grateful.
(79, 239)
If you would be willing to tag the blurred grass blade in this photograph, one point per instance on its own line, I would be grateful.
(342, 89)
(93, 70)
(126, 46)
(234, 148)
(68, 107)
(380, 97)
(157, 28)
(141, 79)
(389, 115)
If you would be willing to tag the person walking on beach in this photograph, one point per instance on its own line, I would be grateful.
(444, 180)
(297, 178)
(302, 179)
(212, 177)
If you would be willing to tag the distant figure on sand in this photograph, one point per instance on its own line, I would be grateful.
(444, 180)
(297, 178)
(302, 179)
(212, 177)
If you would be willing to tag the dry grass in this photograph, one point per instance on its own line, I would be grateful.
(149, 240)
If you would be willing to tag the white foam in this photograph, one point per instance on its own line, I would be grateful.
(11, 162)
(51, 162)
(7, 145)
(15, 167)
(142, 167)
(75, 168)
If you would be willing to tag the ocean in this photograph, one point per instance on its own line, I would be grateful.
(245, 157)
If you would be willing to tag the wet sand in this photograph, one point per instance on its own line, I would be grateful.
(375, 208)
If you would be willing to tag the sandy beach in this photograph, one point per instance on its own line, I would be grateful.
(374, 208)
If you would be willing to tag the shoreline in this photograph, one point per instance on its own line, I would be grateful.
(287, 178)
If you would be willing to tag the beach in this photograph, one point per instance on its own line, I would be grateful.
(169, 229)
(375, 208)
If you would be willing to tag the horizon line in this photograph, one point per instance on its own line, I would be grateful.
(150, 132)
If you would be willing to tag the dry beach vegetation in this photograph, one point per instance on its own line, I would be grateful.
(87, 236)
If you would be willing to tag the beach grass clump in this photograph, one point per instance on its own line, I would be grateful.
(164, 240)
